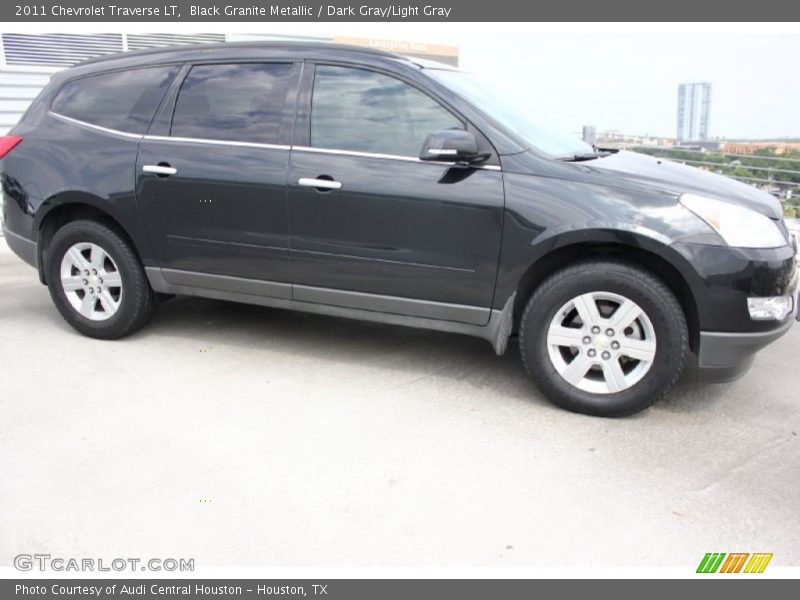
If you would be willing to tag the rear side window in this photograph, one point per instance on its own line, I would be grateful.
(122, 100)
(235, 102)
(355, 109)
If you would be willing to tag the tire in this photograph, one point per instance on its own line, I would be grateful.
(123, 301)
(625, 368)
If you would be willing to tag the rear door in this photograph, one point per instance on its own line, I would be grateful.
(388, 232)
(211, 183)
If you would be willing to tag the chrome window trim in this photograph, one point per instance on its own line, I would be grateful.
(415, 159)
(108, 130)
(191, 140)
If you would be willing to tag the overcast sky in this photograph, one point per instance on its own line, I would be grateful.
(629, 82)
(624, 81)
(625, 78)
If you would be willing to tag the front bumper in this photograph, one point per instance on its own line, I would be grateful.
(722, 279)
(725, 356)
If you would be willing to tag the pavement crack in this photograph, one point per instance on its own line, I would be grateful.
(734, 469)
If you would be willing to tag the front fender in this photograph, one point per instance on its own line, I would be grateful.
(548, 214)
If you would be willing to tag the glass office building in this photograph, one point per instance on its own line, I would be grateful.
(694, 103)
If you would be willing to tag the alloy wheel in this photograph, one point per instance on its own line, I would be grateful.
(601, 342)
(91, 281)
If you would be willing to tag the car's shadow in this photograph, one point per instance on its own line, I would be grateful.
(417, 352)
(360, 342)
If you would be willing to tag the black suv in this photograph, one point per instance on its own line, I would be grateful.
(362, 184)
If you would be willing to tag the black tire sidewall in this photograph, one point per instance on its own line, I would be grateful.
(135, 290)
(650, 294)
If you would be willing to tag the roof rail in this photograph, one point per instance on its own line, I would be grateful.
(248, 44)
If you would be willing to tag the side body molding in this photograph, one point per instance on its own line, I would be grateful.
(492, 325)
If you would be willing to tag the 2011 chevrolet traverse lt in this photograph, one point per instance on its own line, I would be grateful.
(362, 184)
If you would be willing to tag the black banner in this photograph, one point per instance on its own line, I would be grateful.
(382, 10)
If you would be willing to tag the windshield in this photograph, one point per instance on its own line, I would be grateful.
(517, 120)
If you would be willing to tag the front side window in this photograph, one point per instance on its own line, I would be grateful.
(122, 100)
(234, 102)
(364, 111)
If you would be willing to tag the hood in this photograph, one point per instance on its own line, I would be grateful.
(675, 177)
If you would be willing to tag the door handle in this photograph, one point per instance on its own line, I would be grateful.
(160, 169)
(320, 184)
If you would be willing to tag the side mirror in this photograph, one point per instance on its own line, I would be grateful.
(452, 145)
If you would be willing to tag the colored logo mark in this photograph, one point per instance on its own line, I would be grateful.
(735, 562)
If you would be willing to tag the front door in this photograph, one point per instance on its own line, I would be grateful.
(375, 228)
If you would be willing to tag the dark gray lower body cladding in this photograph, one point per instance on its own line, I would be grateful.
(491, 324)
(22, 247)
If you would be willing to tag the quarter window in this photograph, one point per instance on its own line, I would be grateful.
(365, 111)
(122, 100)
(238, 102)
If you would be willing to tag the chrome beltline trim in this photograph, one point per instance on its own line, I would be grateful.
(108, 130)
(189, 140)
(387, 157)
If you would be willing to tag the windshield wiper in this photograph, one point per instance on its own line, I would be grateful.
(580, 157)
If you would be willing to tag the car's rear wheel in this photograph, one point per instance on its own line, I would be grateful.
(604, 338)
(97, 281)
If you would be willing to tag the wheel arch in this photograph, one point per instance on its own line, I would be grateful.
(69, 207)
(640, 255)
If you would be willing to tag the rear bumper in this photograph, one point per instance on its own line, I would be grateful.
(22, 246)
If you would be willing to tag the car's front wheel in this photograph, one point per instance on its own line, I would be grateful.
(96, 280)
(603, 337)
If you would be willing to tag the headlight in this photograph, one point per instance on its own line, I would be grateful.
(739, 227)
